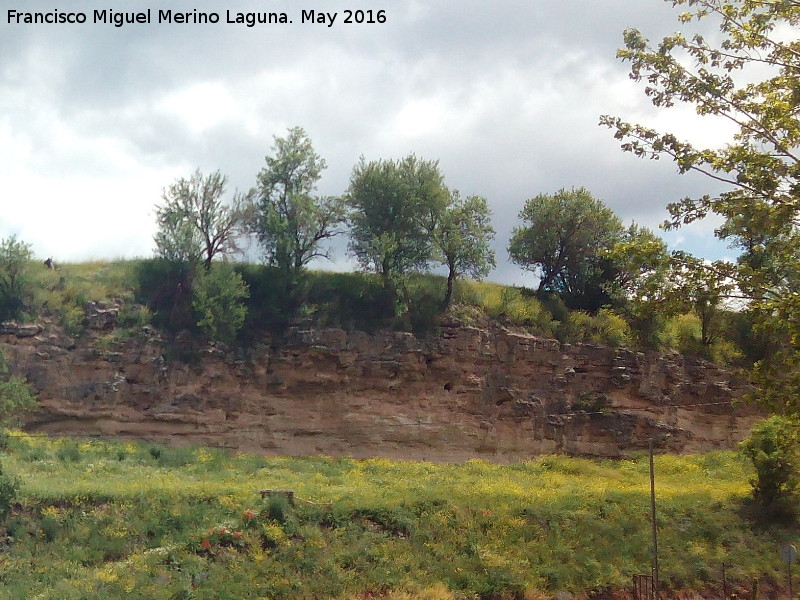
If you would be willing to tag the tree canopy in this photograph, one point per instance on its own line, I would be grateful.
(642, 285)
(462, 239)
(751, 79)
(291, 222)
(563, 241)
(395, 206)
(195, 223)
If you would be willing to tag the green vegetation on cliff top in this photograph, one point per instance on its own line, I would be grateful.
(148, 291)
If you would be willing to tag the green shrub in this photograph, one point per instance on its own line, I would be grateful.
(50, 528)
(591, 402)
(553, 304)
(165, 288)
(649, 330)
(575, 328)
(278, 508)
(9, 487)
(218, 298)
(606, 328)
(425, 312)
(15, 286)
(71, 319)
(682, 333)
(774, 449)
(69, 451)
(613, 329)
(516, 306)
(134, 316)
(724, 352)
(349, 300)
(16, 398)
(267, 306)
(172, 457)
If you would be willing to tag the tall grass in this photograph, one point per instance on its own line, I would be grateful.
(130, 520)
(64, 292)
(147, 288)
(516, 306)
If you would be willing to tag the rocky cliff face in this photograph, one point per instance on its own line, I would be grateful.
(467, 393)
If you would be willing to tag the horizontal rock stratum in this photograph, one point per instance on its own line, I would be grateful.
(467, 392)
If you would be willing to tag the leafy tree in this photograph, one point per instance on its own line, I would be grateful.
(15, 257)
(653, 284)
(195, 223)
(291, 223)
(218, 296)
(395, 206)
(564, 241)
(642, 286)
(774, 449)
(642, 263)
(701, 288)
(462, 239)
(177, 241)
(16, 399)
(750, 79)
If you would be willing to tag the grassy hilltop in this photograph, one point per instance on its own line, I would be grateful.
(148, 292)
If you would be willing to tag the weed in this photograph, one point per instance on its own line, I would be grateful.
(96, 519)
(69, 451)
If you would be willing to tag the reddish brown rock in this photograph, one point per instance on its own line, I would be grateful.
(467, 393)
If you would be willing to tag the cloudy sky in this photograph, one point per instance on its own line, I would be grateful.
(95, 120)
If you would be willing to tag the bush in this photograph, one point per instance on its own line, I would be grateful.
(15, 288)
(134, 316)
(575, 328)
(218, 296)
(682, 333)
(165, 288)
(16, 398)
(69, 451)
(349, 300)
(613, 329)
(517, 306)
(605, 328)
(9, 487)
(591, 402)
(773, 449)
(278, 508)
(268, 309)
(648, 329)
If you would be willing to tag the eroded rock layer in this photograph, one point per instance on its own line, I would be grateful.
(466, 393)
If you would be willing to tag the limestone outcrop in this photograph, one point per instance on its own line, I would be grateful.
(467, 392)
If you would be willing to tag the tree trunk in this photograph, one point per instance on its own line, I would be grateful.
(451, 277)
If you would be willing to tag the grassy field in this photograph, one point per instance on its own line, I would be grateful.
(129, 520)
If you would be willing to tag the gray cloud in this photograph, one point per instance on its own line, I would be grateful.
(506, 95)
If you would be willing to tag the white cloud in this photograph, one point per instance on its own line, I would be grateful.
(201, 106)
(95, 120)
